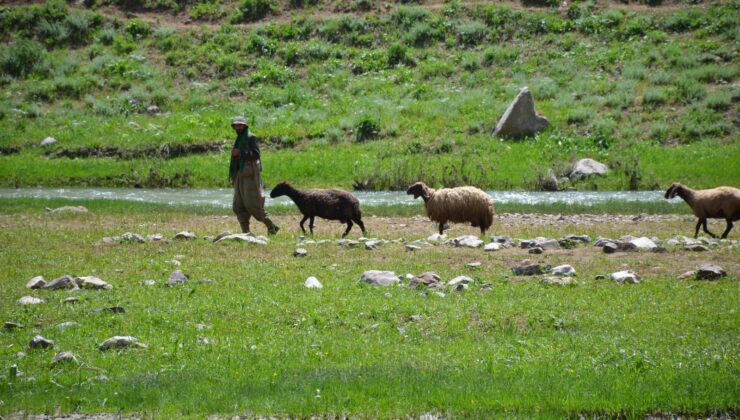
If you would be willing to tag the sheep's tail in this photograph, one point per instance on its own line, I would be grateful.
(488, 216)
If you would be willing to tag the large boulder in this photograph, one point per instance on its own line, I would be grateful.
(587, 167)
(520, 119)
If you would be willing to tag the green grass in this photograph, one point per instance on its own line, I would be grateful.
(275, 348)
(387, 96)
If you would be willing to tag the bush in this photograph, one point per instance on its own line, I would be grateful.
(421, 35)
(271, 74)
(470, 62)
(501, 56)
(407, 16)
(209, 10)
(253, 10)
(654, 97)
(138, 29)
(719, 101)
(471, 33)
(366, 128)
(79, 25)
(661, 77)
(73, 87)
(435, 68)
(22, 58)
(700, 122)
(577, 116)
(689, 90)
(369, 61)
(397, 55)
(106, 36)
(53, 33)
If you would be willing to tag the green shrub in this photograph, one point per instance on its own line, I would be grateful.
(700, 122)
(470, 62)
(471, 33)
(52, 32)
(689, 90)
(271, 74)
(654, 97)
(436, 68)
(545, 88)
(253, 10)
(421, 35)
(501, 56)
(41, 91)
(73, 87)
(578, 115)
(659, 131)
(260, 45)
(209, 10)
(138, 29)
(106, 36)
(367, 128)
(22, 58)
(686, 19)
(634, 72)
(397, 54)
(369, 61)
(661, 77)
(407, 16)
(719, 101)
(714, 73)
(636, 26)
(620, 99)
(611, 18)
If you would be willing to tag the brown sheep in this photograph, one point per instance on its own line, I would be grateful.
(715, 203)
(327, 204)
(458, 205)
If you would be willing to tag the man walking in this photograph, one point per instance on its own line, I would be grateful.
(244, 173)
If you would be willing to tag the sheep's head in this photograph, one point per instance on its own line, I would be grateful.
(674, 189)
(419, 189)
(280, 189)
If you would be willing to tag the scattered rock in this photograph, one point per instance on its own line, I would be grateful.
(71, 299)
(221, 236)
(428, 279)
(503, 239)
(526, 243)
(64, 282)
(64, 357)
(528, 270)
(460, 287)
(350, 243)
(659, 250)
(313, 283)
(580, 238)
(688, 274)
(11, 325)
(643, 243)
(90, 282)
(48, 141)
(436, 238)
(493, 246)
(468, 241)
(672, 242)
(410, 247)
(379, 278)
(37, 282)
(696, 248)
(372, 244)
(710, 272)
(520, 118)
(132, 237)
(177, 278)
(460, 280)
(156, 237)
(67, 209)
(120, 342)
(30, 300)
(536, 250)
(184, 235)
(148, 282)
(563, 271)
(587, 167)
(115, 309)
(610, 248)
(300, 252)
(557, 281)
(547, 244)
(152, 109)
(486, 287)
(474, 264)
(627, 276)
(39, 342)
(243, 237)
(67, 324)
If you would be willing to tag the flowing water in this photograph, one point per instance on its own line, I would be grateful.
(222, 196)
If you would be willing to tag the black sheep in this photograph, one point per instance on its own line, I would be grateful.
(327, 204)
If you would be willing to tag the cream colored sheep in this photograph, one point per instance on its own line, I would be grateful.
(715, 203)
(458, 205)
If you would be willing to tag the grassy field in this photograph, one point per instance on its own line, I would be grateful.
(357, 94)
(256, 342)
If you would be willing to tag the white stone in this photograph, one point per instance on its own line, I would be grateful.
(184, 235)
(120, 342)
(36, 283)
(313, 283)
(243, 237)
(90, 282)
(493, 246)
(379, 278)
(520, 119)
(47, 141)
(643, 243)
(468, 241)
(627, 276)
(587, 167)
(436, 238)
(564, 270)
(460, 280)
(30, 300)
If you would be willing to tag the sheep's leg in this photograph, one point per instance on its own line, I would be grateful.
(729, 228)
(441, 228)
(361, 225)
(707, 230)
(698, 225)
(310, 224)
(302, 222)
(349, 227)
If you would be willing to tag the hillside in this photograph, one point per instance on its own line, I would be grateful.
(364, 94)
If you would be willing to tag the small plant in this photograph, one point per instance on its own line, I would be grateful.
(138, 29)
(22, 58)
(471, 33)
(253, 10)
(397, 55)
(367, 128)
(577, 116)
(720, 100)
(654, 97)
(421, 35)
(689, 91)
